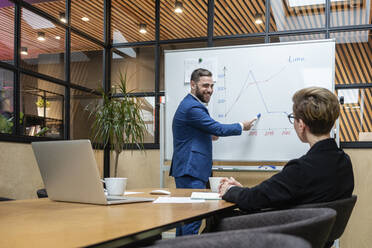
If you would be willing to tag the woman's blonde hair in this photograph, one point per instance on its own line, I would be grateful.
(317, 107)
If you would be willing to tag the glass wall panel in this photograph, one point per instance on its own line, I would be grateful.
(175, 47)
(42, 107)
(353, 57)
(148, 116)
(356, 115)
(240, 41)
(287, 38)
(86, 62)
(139, 65)
(189, 23)
(6, 101)
(87, 16)
(7, 32)
(352, 12)
(42, 45)
(80, 121)
(55, 8)
(132, 21)
(239, 17)
(291, 14)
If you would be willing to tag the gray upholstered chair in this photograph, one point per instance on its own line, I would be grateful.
(236, 239)
(311, 224)
(343, 207)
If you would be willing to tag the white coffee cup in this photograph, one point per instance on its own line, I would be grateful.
(214, 182)
(115, 185)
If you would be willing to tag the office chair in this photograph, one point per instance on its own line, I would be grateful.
(311, 224)
(343, 207)
(236, 239)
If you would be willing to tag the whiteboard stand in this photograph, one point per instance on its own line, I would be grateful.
(162, 145)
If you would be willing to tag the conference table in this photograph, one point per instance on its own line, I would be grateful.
(46, 223)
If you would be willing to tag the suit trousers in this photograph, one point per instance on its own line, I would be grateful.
(189, 182)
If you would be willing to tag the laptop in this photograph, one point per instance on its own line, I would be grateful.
(70, 173)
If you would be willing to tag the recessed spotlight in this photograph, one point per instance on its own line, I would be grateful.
(258, 19)
(62, 17)
(40, 36)
(178, 7)
(142, 28)
(58, 37)
(24, 51)
(84, 18)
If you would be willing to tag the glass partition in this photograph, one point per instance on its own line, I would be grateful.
(42, 106)
(86, 62)
(291, 15)
(7, 32)
(138, 63)
(42, 45)
(6, 101)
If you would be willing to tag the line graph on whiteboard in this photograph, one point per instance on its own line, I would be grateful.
(257, 89)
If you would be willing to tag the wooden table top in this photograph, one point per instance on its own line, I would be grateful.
(46, 223)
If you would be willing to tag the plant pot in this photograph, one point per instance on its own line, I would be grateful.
(40, 112)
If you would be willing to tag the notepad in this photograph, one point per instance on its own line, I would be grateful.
(205, 196)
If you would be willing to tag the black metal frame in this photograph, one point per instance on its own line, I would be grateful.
(108, 48)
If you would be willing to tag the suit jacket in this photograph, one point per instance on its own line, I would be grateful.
(192, 139)
(323, 174)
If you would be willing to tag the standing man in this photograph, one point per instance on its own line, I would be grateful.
(193, 131)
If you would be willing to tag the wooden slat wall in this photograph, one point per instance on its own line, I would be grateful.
(354, 65)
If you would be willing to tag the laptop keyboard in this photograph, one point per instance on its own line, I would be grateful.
(117, 198)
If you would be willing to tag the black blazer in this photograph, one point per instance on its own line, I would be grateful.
(323, 174)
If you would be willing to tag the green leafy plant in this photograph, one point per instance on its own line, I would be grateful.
(41, 103)
(6, 125)
(118, 121)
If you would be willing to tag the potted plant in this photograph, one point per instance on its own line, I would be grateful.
(41, 104)
(118, 121)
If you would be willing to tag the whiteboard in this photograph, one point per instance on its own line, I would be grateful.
(249, 80)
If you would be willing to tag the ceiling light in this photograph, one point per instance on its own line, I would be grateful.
(24, 51)
(62, 17)
(84, 18)
(258, 19)
(40, 36)
(142, 28)
(58, 37)
(178, 7)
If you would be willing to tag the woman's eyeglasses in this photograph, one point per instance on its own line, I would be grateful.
(291, 118)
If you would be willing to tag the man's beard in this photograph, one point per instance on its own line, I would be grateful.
(201, 96)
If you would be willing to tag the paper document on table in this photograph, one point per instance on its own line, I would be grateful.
(205, 195)
(164, 199)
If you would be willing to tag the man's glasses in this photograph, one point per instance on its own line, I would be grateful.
(291, 118)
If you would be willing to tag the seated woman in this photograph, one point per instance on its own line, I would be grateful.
(323, 174)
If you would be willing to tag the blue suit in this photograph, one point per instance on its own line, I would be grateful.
(192, 148)
(192, 139)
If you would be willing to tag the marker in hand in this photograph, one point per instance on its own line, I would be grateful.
(249, 124)
(255, 119)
